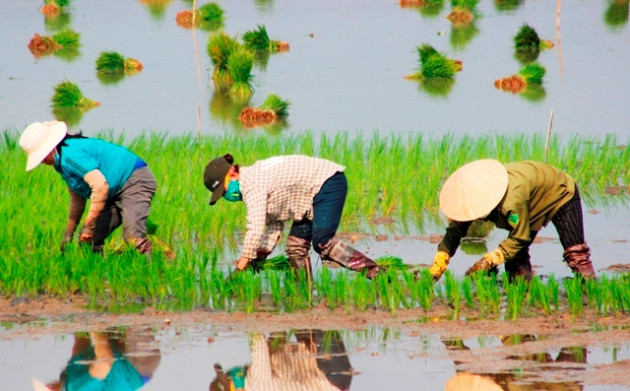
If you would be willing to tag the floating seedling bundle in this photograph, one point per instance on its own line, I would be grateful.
(258, 41)
(53, 7)
(463, 12)
(434, 65)
(69, 95)
(44, 45)
(209, 16)
(530, 74)
(272, 109)
(114, 62)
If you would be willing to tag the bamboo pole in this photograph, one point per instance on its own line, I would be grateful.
(548, 134)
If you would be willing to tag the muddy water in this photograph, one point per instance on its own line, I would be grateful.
(372, 359)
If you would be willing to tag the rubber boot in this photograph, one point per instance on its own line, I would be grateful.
(346, 256)
(298, 252)
(519, 266)
(578, 257)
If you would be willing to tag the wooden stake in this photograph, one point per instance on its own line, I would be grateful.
(548, 134)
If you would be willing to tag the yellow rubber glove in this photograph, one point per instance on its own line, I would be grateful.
(493, 258)
(440, 263)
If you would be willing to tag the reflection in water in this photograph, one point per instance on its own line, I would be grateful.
(57, 22)
(112, 360)
(516, 380)
(157, 8)
(438, 87)
(462, 35)
(507, 5)
(314, 360)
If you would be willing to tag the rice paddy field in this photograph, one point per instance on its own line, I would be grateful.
(183, 320)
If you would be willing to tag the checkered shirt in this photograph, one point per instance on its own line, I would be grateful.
(279, 189)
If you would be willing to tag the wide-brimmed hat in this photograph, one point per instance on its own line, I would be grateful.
(214, 177)
(39, 139)
(472, 191)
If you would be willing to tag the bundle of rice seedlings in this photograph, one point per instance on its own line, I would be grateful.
(527, 39)
(273, 108)
(67, 39)
(258, 41)
(462, 12)
(208, 16)
(114, 62)
(53, 7)
(530, 74)
(276, 104)
(434, 64)
(220, 47)
(68, 95)
(239, 66)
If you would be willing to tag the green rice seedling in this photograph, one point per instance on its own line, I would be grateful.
(539, 296)
(553, 291)
(340, 288)
(279, 106)
(434, 64)
(453, 293)
(516, 292)
(573, 289)
(220, 47)
(239, 66)
(425, 290)
(210, 13)
(533, 73)
(68, 39)
(362, 292)
(527, 39)
(616, 14)
(621, 294)
(323, 286)
(467, 292)
(68, 95)
(257, 40)
(114, 62)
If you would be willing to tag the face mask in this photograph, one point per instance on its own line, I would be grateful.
(233, 192)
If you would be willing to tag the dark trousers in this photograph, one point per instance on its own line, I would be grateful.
(569, 223)
(327, 209)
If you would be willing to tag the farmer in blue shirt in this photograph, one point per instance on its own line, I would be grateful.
(118, 183)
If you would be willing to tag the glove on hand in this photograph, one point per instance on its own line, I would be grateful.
(258, 263)
(489, 260)
(440, 263)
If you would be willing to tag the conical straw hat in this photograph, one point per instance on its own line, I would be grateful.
(474, 190)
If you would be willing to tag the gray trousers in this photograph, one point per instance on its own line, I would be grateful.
(129, 207)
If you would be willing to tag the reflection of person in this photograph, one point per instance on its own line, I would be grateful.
(317, 361)
(521, 197)
(109, 361)
(464, 381)
(118, 183)
(309, 191)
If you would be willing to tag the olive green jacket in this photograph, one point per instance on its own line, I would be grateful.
(535, 193)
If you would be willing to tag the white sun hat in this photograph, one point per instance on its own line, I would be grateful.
(473, 190)
(39, 139)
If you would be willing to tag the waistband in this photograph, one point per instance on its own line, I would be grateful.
(139, 164)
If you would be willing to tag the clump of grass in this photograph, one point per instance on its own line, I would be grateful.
(434, 64)
(69, 95)
(279, 106)
(66, 39)
(220, 48)
(573, 289)
(239, 65)
(208, 16)
(463, 11)
(527, 39)
(53, 7)
(530, 75)
(273, 108)
(258, 41)
(114, 62)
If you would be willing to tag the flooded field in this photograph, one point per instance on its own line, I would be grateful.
(344, 76)
(344, 69)
(329, 350)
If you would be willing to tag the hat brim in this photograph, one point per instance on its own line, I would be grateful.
(474, 190)
(216, 194)
(57, 131)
